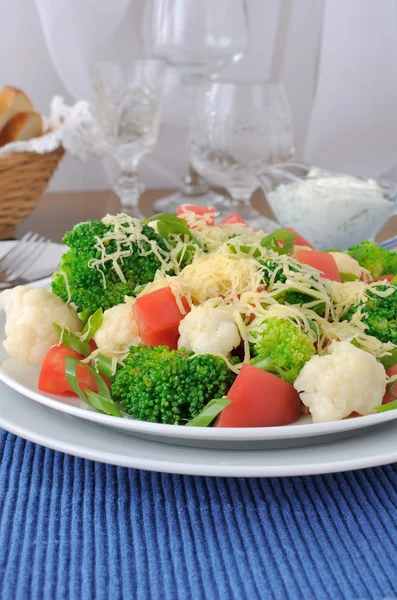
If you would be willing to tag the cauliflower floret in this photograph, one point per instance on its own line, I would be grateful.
(30, 313)
(209, 329)
(118, 331)
(346, 380)
(348, 264)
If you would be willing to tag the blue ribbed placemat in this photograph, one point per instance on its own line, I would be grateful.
(71, 528)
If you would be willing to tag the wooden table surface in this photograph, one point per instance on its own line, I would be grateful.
(58, 212)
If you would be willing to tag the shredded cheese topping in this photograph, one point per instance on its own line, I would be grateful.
(351, 293)
(127, 232)
(65, 277)
(229, 270)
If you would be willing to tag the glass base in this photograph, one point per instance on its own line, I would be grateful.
(222, 204)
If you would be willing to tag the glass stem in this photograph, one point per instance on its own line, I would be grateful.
(195, 185)
(240, 199)
(129, 189)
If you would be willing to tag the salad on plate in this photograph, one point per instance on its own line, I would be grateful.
(184, 320)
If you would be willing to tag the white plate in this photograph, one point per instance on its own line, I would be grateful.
(25, 379)
(55, 430)
(47, 264)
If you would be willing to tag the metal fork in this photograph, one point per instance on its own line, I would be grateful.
(15, 249)
(21, 257)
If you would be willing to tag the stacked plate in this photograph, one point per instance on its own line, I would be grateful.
(303, 448)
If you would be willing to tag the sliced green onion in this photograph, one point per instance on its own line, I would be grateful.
(104, 365)
(103, 405)
(71, 376)
(165, 217)
(72, 341)
(102, 401)
(169, 224)
(315, 327)
(389, 360)
(272, 241)
(93, 324)
(355, 343)
(385, 407)
(209, 412)
(245, 250)
(344, 277)
(164, 229)
(84, 315)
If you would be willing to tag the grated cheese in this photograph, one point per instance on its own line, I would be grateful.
(227, 271)
(64, 275)
(127, 234)
(221, 275)
(349, 294)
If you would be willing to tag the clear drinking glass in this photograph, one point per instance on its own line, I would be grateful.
(199, 38)
(237, 130)
(128, 105)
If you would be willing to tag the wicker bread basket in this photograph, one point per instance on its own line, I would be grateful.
(23, 178)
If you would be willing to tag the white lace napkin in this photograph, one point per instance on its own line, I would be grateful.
(73, 127)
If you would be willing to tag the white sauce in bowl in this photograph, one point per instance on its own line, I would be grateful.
(330, 210)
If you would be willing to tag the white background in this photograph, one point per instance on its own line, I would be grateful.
(337, 59)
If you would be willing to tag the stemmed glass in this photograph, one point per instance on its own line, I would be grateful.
(199, 38)
(128, 105)
(238, 129)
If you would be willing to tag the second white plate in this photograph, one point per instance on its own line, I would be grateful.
(87, 440)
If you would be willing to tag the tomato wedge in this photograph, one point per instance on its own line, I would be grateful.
(209, 211)
(259, 399)
(233, 218)
(388, 278)
(157, 316)
(300, 240)
(52, 379)
(388, 397)
(323, 261)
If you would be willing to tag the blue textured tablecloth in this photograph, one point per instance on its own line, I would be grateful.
(71, 529)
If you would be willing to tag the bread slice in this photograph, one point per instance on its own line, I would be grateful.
(23, 126)
(12, 101)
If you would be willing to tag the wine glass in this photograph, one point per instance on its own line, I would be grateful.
(128, 105)
(199, 38)
(238, 129)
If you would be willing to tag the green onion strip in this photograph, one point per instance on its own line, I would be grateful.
(272, 241)
(93, 324)
(209, 412)
(389, 360)
(104, 365)
(72, 341)
(102, 401)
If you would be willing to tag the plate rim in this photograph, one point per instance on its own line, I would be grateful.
(173, 467)
(237, 434)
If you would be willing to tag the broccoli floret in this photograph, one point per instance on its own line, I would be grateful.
(282, 348)
(379, 314)
(378, 261)
(289, 296)
(86, 283)
(163, 386)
